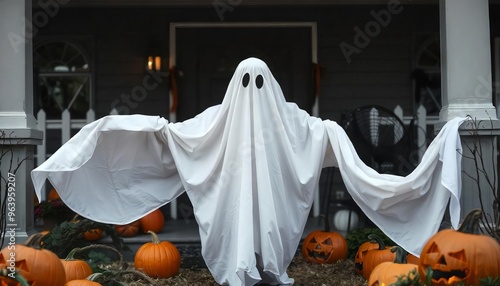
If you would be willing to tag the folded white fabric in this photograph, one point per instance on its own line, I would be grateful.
(250, 167)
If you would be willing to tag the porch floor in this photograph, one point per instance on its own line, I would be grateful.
(184, 234)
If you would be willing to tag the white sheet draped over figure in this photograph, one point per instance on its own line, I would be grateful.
(250, 167)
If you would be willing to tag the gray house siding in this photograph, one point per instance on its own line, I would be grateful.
(377, 73)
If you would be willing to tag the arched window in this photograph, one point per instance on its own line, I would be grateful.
(62, 78)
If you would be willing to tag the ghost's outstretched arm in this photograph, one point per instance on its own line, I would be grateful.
(408, 209)
(115, 170)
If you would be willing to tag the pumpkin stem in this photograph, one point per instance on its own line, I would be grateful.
(327, 222)
(34, 240)
(401, 254)
(75, 217)
(71, 254)
(375, 239)
(471, 222)
(154, 236)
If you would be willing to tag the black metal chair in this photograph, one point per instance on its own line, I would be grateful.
(381, 139)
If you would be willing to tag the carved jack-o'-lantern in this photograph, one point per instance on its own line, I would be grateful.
(461, 256)
(324, 246)
(376, 256)
(360, 254)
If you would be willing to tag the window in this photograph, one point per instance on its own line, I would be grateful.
(62, 79)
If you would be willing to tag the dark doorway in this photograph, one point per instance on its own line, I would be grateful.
(206, 58)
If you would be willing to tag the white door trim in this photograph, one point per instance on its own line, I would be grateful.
(173, 56)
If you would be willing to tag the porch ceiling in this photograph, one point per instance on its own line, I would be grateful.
(201, 3)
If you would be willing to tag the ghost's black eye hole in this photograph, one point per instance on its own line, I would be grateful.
(259, 81)
(246, 80)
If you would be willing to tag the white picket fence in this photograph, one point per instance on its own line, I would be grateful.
(65, 125)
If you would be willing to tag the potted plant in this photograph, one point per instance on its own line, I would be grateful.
(52, 212)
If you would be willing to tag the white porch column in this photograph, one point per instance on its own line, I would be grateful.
(17, 123)
(465, 59)
(466, 88)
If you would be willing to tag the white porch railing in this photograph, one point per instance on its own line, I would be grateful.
(422, 121)
(64, 125)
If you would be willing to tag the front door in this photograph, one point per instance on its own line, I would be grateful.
(206, 58)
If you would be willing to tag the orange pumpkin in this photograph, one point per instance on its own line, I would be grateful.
(53, 195)
(360, 254)
(463, 256)
(128, 230)
(412, 259)
(158, 259)
(324, 246)
(154, 221)
(9, 278)
(82, 282)
(387, 272)
(93, 234)
(376, 256)
(75, 268)
(6, 281)
(89, 235)
(37, 266)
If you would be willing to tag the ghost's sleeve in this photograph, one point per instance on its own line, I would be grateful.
(408, 209)
(114, 170)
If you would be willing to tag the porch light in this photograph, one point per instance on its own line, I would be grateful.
(154, 63)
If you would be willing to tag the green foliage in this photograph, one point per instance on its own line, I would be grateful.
(96, 258)
(360, 235)
(490, 281)
(413, 279)
(70, 234)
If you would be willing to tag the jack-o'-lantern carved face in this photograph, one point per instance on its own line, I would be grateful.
(324, 246)
(320, 250)
(464, 255)
(451, 266)
(360, 254)
(21, 267)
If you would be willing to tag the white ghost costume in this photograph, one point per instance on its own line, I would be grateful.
(250, 167)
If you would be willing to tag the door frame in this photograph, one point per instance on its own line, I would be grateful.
(197, 25)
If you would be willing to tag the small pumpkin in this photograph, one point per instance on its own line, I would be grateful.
(387, 272)
(324, 246)
(53, 195)
(345, 220)
(75, 268)
(376, 256)
(82, 282)
(93, 234)
(360, 254)
(38, 266)
(128, 230)
(154, 221)
(461, 256)
(158, 259)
